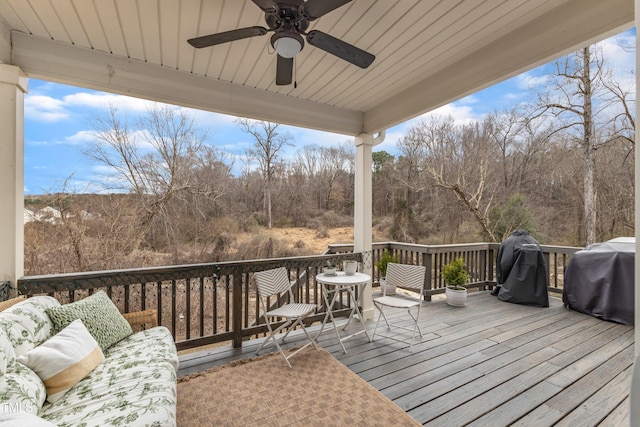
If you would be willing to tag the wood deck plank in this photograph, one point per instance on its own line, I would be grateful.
(604, 401)
(579, 391)
(490, 363)
(619, 416)
(494, 397)
(485, 382)
(518, 406)
(590, 361)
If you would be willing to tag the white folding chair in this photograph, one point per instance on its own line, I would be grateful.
(411, 278)
(275, 283)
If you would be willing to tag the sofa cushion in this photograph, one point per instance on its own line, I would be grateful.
(148, 346)
(7, 354)
(135, 385)
(13, 419)
(26, 324)
(65, 359)
(98, 313)
(21, 390)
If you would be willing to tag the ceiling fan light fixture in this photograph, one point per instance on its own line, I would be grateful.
(287, 43)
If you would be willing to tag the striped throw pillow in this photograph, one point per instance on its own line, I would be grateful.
(65, 359)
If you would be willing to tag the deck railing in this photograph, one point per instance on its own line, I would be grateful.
(479, 258)
(212, 303)
(5, 289)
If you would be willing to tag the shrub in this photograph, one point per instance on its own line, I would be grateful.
(385, 258)
(454, 274)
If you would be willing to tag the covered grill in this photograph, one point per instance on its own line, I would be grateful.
(521, 271)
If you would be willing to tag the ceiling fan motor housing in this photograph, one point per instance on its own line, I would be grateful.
(287, 16)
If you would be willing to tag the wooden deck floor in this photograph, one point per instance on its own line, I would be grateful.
(490, 363)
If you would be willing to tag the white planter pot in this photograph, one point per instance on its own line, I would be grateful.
(387, 289)
(456, 297)
(350, 267)
(329, 271)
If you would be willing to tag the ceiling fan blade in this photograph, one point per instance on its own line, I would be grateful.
(314, 9)
(265, 5)
(227, 36)
(284, 71)
(339, 48)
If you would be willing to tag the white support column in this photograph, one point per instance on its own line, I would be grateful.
(634, 397)
(363, 208)
(13, 86)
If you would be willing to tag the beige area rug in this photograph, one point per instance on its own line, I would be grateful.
(317, 391)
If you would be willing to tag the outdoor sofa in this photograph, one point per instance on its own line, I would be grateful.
(58, 370)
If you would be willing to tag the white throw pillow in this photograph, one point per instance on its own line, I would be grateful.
(65, 359)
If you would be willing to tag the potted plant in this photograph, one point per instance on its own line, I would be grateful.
(329, 269)
(455, 277)
(381, 264)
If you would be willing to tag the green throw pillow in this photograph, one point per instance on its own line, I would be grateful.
(100, 316)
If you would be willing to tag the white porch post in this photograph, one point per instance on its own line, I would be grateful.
(363, 211)
(363, 208)
(13, 86)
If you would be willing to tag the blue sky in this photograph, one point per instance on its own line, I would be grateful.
(58, 123)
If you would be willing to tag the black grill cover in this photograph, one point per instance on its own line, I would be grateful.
(599, 280)
(521, 271)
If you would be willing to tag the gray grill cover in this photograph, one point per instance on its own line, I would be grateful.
(521, 272)
(599, 281)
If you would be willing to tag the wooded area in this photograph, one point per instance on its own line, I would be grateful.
(561, 167)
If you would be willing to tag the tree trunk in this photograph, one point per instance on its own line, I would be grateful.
(269, 204)
(589, 153)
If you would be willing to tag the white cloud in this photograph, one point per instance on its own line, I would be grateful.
(469, 99)
(103, 100)
(304, 137)
(235, 148)
(103, 170)
(531, 80)
(462, 114)
(80, 137)
(82, 186)
(620, 52)
(390, 143)
(514, 96)
(32, 142)
(208, 119)
(44, 108)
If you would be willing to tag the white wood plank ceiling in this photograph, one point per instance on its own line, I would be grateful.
(428, 53)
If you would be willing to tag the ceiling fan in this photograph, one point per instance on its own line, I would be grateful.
(289, 19)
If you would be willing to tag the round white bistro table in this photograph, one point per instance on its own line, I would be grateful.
(331, 287)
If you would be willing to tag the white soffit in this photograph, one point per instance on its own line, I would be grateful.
(428, 53)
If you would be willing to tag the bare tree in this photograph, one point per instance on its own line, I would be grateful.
(412, 148)
(267, 151)
(462, 160)
(619, 99)
(155, 160)
(570, 99)
(336, 164)
(383, 182)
